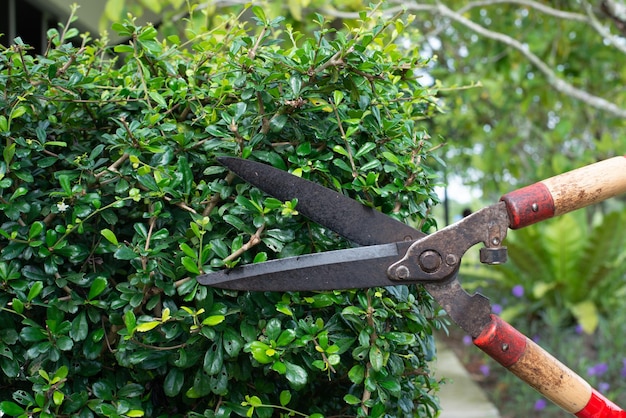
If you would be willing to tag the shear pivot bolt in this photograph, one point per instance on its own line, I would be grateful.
(430, 261)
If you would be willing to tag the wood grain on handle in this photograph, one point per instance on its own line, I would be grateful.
(566, 192)
(543, 372)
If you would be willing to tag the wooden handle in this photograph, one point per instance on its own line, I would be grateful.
(566, 192)
(543, 372)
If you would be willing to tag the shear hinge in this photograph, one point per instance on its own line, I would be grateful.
(436, 257)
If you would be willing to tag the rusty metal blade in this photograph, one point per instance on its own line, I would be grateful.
(347, 217)
(353, 268)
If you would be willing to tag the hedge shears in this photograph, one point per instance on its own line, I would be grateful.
(393, 253)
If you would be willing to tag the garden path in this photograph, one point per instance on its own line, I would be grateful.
(460, 396)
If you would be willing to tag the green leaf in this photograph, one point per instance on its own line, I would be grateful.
(158, 98)
(147, 326)
(213, 359)
(277, 123)
(130, 320)
(125, 253)
(260, 257)
(213, 320)
(131, 390)
(188, 251)
(18, 112)
(35, 229)
(254, 401)
(258, 350)
(103, 390)
(110, 236)
(233, 342)
(18, 305)
(237, 222)
(351, 399)
(97, 287)
(258, 12)
(34, 291)
(286, 337)
(60, 374)
(11, 408)
(285, 397)
(19, 192)
(190, 265)
(391, 385)
(341, 150)
(33, 334)
(357, 374)
(80, 327)
(4, 124)
(376, 358)
(367, 147)
(337, 97)
(66, 184)
(173, 382)
(185, 169)
(371, 165)
(296, 375)
(123, 49)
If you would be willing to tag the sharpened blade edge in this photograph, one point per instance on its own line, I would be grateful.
(341, 269)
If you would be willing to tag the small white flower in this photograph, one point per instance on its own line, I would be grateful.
(62, 206)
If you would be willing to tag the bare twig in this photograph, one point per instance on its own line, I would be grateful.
(113, 167)
(255, 239)
(606, 34)
(557, 83)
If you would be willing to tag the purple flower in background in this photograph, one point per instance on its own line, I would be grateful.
(496, 309)
(467, 340)
(540, 405)
(598, 369)
(579, 329)
(603, 387)
(484, 369)
(623, 372)
(518, 291)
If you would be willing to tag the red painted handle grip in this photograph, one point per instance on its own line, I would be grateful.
(543, 372)
(566, 192)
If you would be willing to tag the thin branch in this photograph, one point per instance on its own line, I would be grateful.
(255, 239)
(557, 83)
(616, 41)
(560, 14)
(113, 167)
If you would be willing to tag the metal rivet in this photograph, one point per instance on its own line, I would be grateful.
(451, 259)
(505, 347)
(495, 241)
(534, 207)
(402, 272)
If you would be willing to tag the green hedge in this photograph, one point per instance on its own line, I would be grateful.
(111, 202)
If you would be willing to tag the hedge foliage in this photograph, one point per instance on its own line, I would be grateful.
(111, 203)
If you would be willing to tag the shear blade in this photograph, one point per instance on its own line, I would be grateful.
(347, 217)
(353, 268)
